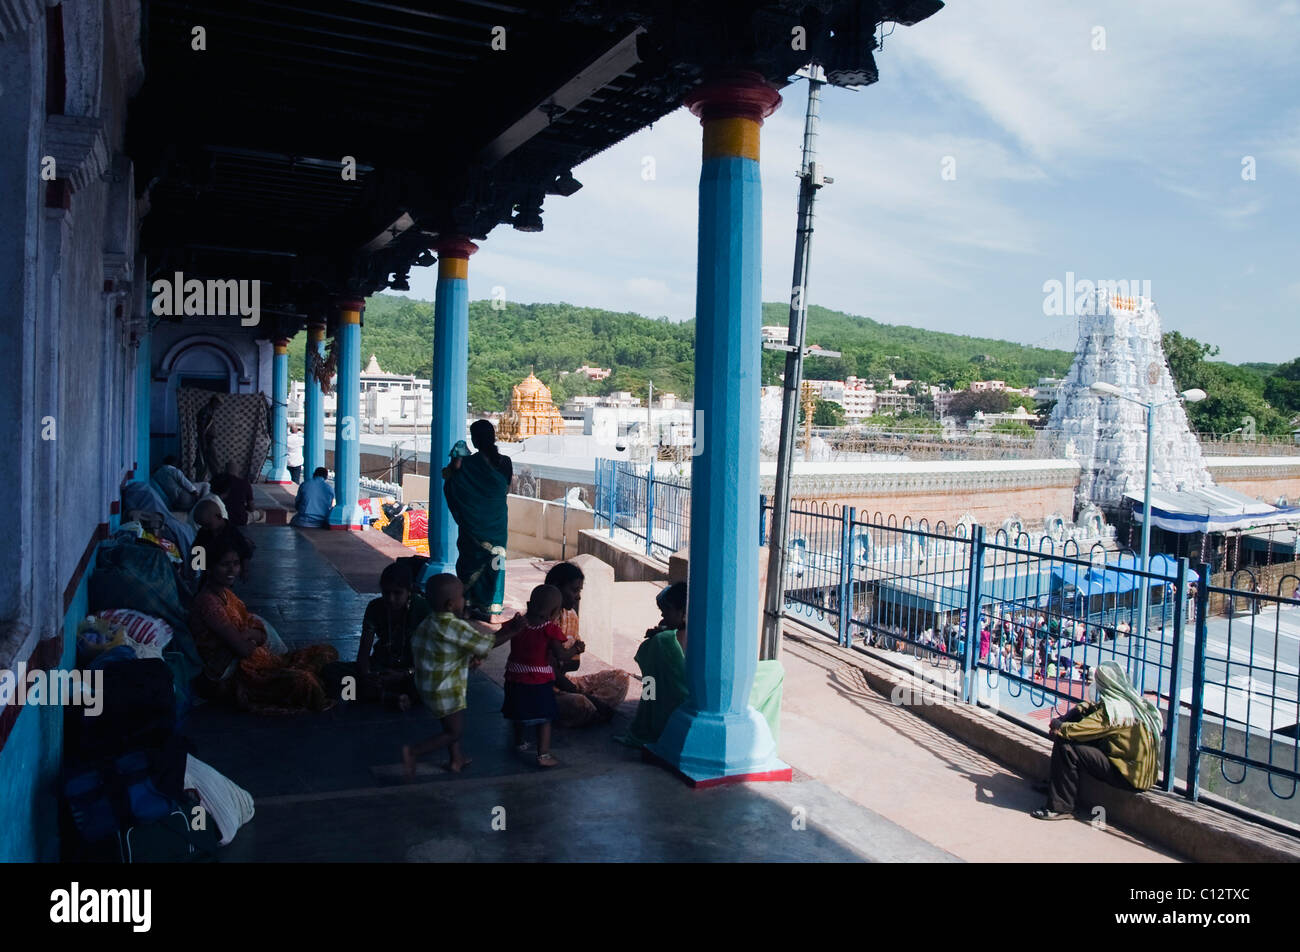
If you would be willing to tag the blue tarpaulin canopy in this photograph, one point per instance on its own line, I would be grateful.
(1116, 577)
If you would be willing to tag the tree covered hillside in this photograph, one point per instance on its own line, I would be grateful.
(551, 338)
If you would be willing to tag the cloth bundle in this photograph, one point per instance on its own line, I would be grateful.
(229, 804)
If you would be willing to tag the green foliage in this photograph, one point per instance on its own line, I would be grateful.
(965, 405)
(1012, 428)
(552, 338)
(873, 351)
(918, 422)
(828, 413)
(1233, 393)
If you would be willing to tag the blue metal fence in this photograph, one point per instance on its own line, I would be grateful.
(652, 510)
(1019, 626)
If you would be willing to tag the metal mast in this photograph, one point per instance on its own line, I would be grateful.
(811, 178)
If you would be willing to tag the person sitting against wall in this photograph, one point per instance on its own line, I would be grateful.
(244, 661)
(580, 700)
(1115, 738)
(177, 489)
(314, 502)
(662, 659)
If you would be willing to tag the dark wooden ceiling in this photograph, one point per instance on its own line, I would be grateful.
(240, 146)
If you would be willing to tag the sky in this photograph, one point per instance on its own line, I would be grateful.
(1006, 145)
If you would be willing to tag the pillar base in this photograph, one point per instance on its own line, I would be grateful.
(708, 748)
(347, 517)
(279, 477)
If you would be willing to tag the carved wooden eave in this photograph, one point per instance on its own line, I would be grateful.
(79, 147)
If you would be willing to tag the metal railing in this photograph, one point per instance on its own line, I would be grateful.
(1018, 625)
(642, 508)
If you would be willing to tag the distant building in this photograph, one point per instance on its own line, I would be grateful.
(1048, 389)
(591, 373)
(894, 402)
(986, 386)
(859, 399)
(530, 413)
(774, 334)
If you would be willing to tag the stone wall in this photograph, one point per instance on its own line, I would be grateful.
(989, 491)
(1267, 478)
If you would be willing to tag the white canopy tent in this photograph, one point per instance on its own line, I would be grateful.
(1213, 509)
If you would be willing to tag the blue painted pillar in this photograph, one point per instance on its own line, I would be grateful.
(313, 437)
(450, 389)
(346, 514)
(278, 471)
(143, 406)
(716, 735)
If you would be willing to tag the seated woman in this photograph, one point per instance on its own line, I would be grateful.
(242, 661)
(1115, 738)
(385, 668)
(662, 659)
(583, 699)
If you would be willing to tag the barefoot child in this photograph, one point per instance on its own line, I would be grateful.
(445, 646)
(530, 672)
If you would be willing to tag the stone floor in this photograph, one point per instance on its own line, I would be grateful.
(873, 782)
(328, 787)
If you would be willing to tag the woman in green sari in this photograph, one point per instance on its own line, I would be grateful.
(662, 659)
(476, 488)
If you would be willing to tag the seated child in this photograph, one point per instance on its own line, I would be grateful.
(445, 647)
(385, 668)
(530, 671)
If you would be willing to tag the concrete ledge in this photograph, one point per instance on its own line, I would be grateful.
(1197, 832)
(538, 528)
(628, 566)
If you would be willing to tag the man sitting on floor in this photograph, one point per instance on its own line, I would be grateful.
(314, 502)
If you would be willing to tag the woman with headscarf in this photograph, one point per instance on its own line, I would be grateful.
(1115, 738)
(475, 487)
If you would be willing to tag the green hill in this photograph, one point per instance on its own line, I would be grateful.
(551, 338)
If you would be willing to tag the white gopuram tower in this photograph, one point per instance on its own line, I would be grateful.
(1119, 343)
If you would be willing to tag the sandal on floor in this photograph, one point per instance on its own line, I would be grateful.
(1042, 813)
(547, 760)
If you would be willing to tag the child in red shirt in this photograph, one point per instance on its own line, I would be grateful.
(530, 674)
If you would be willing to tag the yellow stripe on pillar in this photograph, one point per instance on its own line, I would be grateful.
(453, 268)
(281, 347)
(349, 316)
(734, 138)
(316, 333)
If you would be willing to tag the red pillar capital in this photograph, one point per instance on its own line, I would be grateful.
(454, 246)
(733, 94)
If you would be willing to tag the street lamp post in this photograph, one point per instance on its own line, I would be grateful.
(1102, 389)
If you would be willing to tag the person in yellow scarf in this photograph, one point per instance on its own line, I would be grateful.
(1115, 738)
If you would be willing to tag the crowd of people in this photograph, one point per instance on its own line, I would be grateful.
(1028, 643)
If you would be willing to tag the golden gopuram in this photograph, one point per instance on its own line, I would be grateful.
(531, 412)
